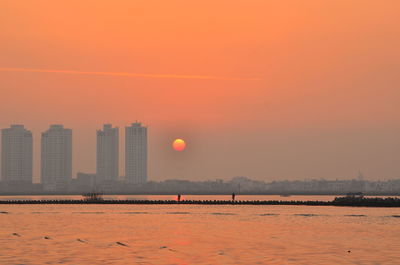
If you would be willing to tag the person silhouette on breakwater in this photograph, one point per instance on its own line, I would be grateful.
(179, 197)
(233, 196)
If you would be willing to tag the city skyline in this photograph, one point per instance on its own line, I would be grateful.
(113, 142)
(56, 155)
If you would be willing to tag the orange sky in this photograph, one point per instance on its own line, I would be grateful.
(309, 89)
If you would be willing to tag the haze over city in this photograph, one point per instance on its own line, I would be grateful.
(199, 132)
(270, 90)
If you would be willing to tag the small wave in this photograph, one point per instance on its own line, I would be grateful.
(355, 215)
(307, 214)
(89, 212)
(178, 213)
(134, 212)
(223, 213)
(121, 244)
(395, 216)
(268, 214)
(45, 212)
(2, 212)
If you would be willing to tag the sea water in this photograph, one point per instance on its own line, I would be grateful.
(198, 234)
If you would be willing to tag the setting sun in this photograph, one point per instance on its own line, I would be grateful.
(179, 145)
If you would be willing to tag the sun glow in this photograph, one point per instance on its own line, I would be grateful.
(179, 145)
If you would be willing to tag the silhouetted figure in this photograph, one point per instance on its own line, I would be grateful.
(233, 196)
(179, 197)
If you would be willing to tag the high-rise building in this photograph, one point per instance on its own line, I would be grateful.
(107, 159)
(56, 164)
(136, 153)
(16, 154)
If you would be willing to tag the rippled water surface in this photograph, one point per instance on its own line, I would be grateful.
(198, 234)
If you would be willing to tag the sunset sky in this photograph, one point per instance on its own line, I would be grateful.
(271, 90)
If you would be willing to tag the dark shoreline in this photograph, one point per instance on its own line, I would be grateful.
(292, 193)
(338, 201)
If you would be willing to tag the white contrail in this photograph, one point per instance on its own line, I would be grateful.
(173, 76)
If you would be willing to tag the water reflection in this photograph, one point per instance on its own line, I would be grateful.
(195, 234)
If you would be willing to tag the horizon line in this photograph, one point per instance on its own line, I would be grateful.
(143, 75)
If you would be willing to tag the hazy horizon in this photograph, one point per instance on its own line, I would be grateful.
(267, 90)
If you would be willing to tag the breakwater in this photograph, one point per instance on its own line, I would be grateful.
(339, 201)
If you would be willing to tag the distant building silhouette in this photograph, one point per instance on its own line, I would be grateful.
(360, 176)
(16, 154)
(107, 159)
(136, 154)
(84, 182)
(56, 158)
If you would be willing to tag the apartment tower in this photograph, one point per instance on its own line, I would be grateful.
(136, 154)
(56, 154)
(107, 158)
(16, 154)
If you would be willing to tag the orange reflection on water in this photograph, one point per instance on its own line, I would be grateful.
(195, 234)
